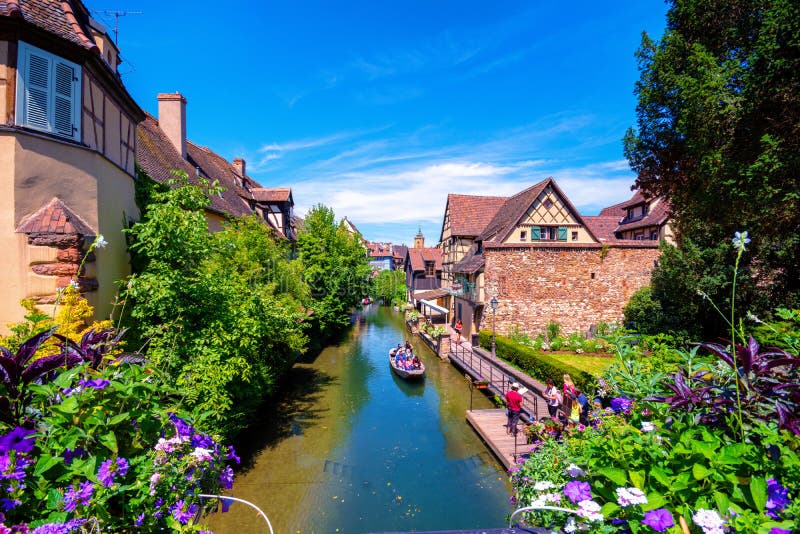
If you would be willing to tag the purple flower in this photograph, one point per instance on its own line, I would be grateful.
(9, 504)
(203, 441)
(82, 494)
(94, 384)
(184, 429)
(232, 455)
(227, 503)
(110, 469)
(659, 520)
(621, 405)
(139, 520)
(59, 528)
(183, 512)
(578, 491)
(777, 498)
(69, 455)
(776, 530)
(226, 478)
(18, 440)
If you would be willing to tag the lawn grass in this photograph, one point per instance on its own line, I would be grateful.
(594, 365)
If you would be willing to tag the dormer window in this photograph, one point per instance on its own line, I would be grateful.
(430, 269)
(645, 209)
(48, 93)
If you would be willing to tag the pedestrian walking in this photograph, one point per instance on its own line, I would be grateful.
(514, 402)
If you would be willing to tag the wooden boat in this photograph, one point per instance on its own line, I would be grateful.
(407, 374)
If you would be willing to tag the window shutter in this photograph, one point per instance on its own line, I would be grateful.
(36, 102)
(562, 233)
(64, 116)
(48, 92)
(536, 233)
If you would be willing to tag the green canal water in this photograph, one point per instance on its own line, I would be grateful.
(351, 448)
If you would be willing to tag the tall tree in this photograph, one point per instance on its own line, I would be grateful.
(335, 267)
(718, 134)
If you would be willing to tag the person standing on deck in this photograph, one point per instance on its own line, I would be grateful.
(514, 401)
(458, 328)
(553, 398)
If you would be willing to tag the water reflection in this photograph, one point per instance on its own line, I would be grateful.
(351, 446)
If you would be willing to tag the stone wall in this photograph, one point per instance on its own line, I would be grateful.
(576, 287)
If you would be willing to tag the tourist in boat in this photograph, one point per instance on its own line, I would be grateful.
(400, 358)
(408, 345)
(553, 398)
(514, 401)
(417, 363)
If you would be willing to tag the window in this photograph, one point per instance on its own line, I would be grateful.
(523, 235)
(654, 236)
(430, 269)
(549, 233)
(645, 209)
(574, 236)
(48, 92)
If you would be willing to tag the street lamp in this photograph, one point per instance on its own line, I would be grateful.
(493, 303)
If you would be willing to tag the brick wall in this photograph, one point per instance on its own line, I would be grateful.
(576, 287)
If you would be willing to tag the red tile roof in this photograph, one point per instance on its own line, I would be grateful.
(470, 214)
(658, 215)
(471, 263)
(418, 257)
(68, 19)
(602, 226)
(273, 194)
(157, 156)
(55, 217)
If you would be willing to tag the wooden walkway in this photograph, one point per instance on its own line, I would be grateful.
(490, 425)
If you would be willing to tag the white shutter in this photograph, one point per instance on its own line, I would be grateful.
(37, 90)
(64, 120)
(48, 92)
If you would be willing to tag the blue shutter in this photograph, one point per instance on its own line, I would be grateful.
(536, 233)
(562, 233)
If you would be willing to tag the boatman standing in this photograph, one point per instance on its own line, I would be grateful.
(514, 402)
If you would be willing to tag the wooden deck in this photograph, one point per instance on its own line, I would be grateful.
(490, 425)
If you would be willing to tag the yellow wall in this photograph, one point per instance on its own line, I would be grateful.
(5, 80)
(33, 170)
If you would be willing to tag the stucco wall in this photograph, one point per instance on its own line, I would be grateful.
(33, 170)
(576, 287)
(6, 83)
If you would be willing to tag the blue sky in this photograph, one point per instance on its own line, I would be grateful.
(381, 109)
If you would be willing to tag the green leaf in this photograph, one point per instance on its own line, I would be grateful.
(617, 476)
(609, 508)
(758, 491)
(54, 499)
(637, 478)
(68, 407)
(110, 441)
(661, 476)
(117, 419)
(45, 463)
(700, 471)
(722, 501)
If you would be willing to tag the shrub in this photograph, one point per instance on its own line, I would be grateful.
(536, 364)
(553, 330)
(556, 343)
(643, 312)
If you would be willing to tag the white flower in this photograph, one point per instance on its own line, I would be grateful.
(100, 241)
(542, 486)
(752, 317)
(647, 426)
(740, 239)
(74, 285)
(574, 471)
(202, 455)
(570, 527)
(589, 510)
(709, 521)
(630, 496)
(554, 498)
(538, 501)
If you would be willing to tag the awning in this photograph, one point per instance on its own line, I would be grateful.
(432, 294)
(434, 306)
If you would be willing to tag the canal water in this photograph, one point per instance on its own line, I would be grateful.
(349, 447)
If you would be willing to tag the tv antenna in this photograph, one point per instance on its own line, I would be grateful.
(117, 15)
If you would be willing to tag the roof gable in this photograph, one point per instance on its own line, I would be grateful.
(416, 258)
(523, 205)
(55, 217)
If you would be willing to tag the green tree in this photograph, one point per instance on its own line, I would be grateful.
(335, 267)
(222, 315)
(389, 286)
(717, 134)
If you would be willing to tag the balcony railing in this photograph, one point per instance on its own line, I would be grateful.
(467, 291)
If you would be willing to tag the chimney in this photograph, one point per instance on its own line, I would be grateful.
(172, 119)
(240, 165)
